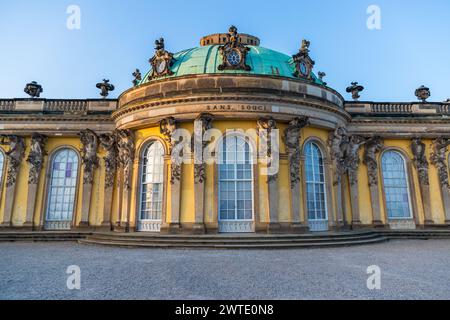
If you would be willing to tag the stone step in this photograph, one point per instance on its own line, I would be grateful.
(304, 244)
(41, 236)
(237, 237)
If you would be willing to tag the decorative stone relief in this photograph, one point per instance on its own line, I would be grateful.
(167, 127)
(162, 60)
(373, 147)
(200, 168)
(234, 53)
(36, 157)
(108, 142)
(439, 159)
(420, 161)
(105, 87)
(344, 150)
(264, 129)
(351, 157)
(337, 141)
(175, 173)
(291, 139)
(89, 156)
(126, 149)
(303, 62)
(14, 156)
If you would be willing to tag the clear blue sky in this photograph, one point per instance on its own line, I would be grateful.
(117, 36)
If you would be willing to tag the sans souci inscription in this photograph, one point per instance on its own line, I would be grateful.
(238, 108)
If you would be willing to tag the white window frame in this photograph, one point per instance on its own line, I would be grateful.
(324, 183)
(58, 223)
(251, 180)
(149, 225)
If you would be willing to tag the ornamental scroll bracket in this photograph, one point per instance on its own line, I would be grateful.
(291, 139)
(89, 141)
(36, 157)
(373, 147)
(14, 156)
(420, 161)
(126, 150)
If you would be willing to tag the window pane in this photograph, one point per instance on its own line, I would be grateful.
(63, 183)
(235, 180)
(315, 183)
(152, 182)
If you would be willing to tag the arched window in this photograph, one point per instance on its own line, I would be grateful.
(396, 188)
(235, 186)
(315, 188)
(62, 189)
(152, 187)
(2, 162)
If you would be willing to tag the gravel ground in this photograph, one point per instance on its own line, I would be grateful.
(410, 270)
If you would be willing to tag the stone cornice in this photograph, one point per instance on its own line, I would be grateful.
(249, 99)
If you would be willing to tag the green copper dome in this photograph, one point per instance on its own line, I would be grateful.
(206, 60)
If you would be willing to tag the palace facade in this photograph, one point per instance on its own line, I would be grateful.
(103, 164)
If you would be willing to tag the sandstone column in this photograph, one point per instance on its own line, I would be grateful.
(439, 159)
(35, 160)
(167, 128)
(373, 147)
(202, 124)
(269, 151)
(126, 150)
(90, 162)
(108, 142)
(291, 139)
(14, 157)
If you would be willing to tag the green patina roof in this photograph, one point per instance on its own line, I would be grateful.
(205, 60)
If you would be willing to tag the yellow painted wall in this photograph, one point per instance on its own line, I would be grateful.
(187, 210)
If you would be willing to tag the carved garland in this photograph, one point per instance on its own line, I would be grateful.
(108, 142)
(420, 161)
(200, 168)
(14, 156)
(126, 149)
(264, 129)
(438, 159)
(36, 157)
(373, 147)
(89, 156)
(167, 127)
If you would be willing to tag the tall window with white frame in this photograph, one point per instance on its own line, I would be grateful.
(152, 188)
(315, 188)
(2, 162)
(62, 190)
(235, 185)
(396, 188)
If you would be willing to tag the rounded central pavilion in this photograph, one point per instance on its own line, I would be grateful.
(251, 125)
